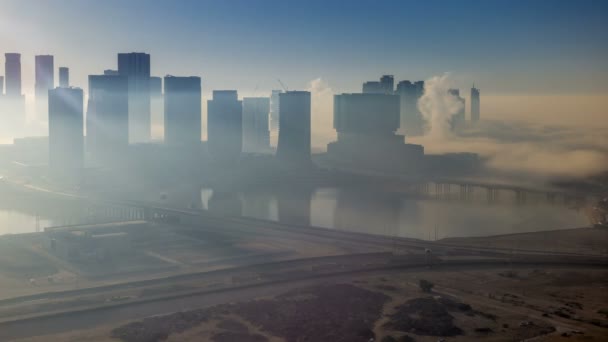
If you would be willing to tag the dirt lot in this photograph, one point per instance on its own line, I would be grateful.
(465, 305)
(589, 241)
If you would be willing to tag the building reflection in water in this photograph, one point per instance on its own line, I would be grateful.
(368, 212)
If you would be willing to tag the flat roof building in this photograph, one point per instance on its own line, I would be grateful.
(183, 111)
(294, 127)
(108, 118)
(12, 74)
(45, 76)
(225, 126)
(64, 77)
(66, 132)
(256, 134)
(136, 67)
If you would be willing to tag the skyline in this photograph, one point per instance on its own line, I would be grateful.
(555, 48)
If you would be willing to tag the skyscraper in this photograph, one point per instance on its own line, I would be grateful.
(108, 118)
(136, 67)
(12, 72)
(385, 86)
(156, 87)
(256, 135)
(274, 117)
(366, 125)
(411, 121)
(388, 84)
(458, 119)
(183, 111)
(225, 125)
(64, 77)
(45, 76)
(294, 127)
(66, 137)
(475, 113)
(372, 87)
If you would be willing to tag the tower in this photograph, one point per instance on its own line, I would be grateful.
(294, 127)
(256, 135)
(66, 139)
(64, 77)
(183, 111)
(45, 76)
(225, 126)
(136, 67)
(475, 113)
(12, 73)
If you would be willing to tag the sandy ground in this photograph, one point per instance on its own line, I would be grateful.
(589, 241)
(506, 305)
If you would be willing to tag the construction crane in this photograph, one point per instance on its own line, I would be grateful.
(283, 85)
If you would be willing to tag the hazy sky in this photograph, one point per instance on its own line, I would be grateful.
(506, 47)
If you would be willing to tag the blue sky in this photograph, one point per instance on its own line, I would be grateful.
(506, 47)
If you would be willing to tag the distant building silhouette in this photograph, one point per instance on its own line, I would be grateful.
(256, 134)
(64, 77)
(458, 119)
(388, 84)
(13, 102)
(183, 111)
(1, 85)
(411, 123)
(110, 72)
(225, 126)
(475, 113)
(373, 87)
(12, 73)
(108, 118)
(294, 127)
(385, 86)
(156, 87)
(366, 126)
(157, 111)
(66, 136)
(45, 76)
(136, 67)
(274, 116)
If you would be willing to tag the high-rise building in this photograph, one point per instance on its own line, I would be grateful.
(366, 125)
(225, 126)
(45, 76)
(411, 121)
(256, 134)
(183, 111)
(475, 113)
(458, 119)
(388, 84)
(372, 87)
(157, 111)
(108, 118)
(385, 86)
(294, 127)
(274, 117)
(12, 72)
(156, 87)
(66, 137)
(64, 77)
(136, 67)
